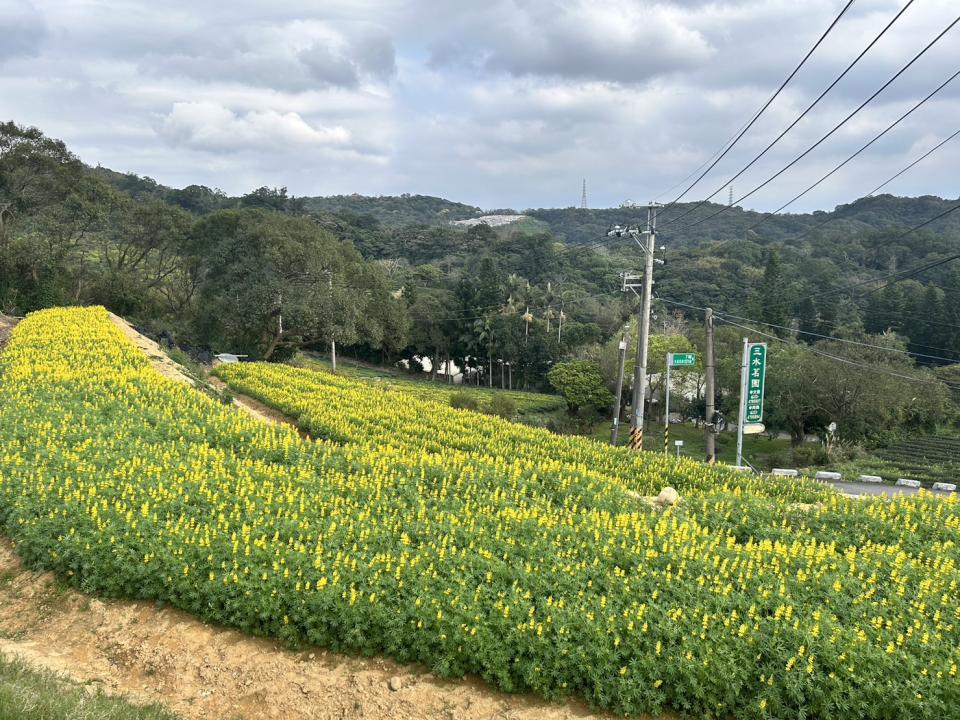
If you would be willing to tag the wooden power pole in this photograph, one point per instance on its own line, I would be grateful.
(710, 432)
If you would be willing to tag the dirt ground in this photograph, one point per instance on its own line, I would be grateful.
(151, 654)
(6, 325)
(199, 671)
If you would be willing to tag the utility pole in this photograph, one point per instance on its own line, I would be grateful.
(709, 429)
(616, 400)
(640, 368)
(333, 342)
(666, 406)
(744, 374)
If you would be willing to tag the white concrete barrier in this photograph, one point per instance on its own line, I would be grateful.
(824, 475)
(945, 487)
(870, 478)
(784, 472)
(904, 482)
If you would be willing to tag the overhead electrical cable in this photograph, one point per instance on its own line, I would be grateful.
(728, 146)
(829, 134)
(720, 315)
(800, 116)
(837, 358)
(875, 138)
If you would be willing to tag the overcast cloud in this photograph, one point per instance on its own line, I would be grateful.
(506, 103)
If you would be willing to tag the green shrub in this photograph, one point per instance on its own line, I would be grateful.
(810, 456)
(502, 406)
(581, 384)
(464, 401)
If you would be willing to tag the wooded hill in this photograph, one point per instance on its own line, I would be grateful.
(267, 273)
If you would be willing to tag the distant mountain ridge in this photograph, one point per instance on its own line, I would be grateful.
(578, 226)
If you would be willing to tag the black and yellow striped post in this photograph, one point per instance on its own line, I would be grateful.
(666, 406)
(636, 437)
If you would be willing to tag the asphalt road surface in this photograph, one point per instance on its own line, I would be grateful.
(858, 488)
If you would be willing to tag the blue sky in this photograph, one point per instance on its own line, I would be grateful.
(507, 103)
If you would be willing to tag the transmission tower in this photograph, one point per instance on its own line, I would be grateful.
(583, 196)
(731, 196)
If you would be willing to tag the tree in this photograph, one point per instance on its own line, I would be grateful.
(771, 304)
(274, 283)
(581, 385)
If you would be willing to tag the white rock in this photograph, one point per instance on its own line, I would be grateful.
(784, 472)
(395, 683)
(945, 487)
(824, 475)
(668, 496)
(870, 478)
(904, 482)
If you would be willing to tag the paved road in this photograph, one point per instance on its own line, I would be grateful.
(858, 488)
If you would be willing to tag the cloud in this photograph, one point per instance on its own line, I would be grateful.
(296, 57)
(22, 28)
(211, 127)
(500, 103)
(616, 40)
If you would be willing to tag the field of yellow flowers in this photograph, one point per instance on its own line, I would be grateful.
(471, 544)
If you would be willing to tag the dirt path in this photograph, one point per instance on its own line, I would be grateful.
(163, 364)
(162, 655)
(7, 324)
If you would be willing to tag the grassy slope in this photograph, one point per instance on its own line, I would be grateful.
(28, 694)
(529, 404)
(537, 408)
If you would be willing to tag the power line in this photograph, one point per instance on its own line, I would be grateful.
(721, 315)
(830, 133)
(804, 113)
(889, 127)
(840, 340)
(837, 358)
(927, 154)
(736, 139)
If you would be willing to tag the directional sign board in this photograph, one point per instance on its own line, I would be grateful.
(753, 428)
(756, 374)
(682, 359)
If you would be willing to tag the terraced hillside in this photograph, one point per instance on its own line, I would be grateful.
(929, 460)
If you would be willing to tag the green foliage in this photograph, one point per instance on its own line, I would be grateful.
(502, 405)
(464, 401)
(581, 384)
(471, 544)
(29, 694)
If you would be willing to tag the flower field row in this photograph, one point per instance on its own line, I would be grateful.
(470, 544)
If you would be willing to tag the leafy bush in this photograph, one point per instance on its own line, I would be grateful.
(464, 401)
(581, 384)
(502, 406)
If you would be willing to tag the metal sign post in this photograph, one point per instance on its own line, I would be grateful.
(673, 360)
(753, 369)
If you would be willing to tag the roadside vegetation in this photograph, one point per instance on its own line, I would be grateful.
(30, 694)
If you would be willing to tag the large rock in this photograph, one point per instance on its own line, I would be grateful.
(668, 497)
(784, 472)
(824, 475)
(904, 482)
(870, 479)
(945, 487)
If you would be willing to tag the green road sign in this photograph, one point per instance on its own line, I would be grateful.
(682, 359)
(756, 374)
